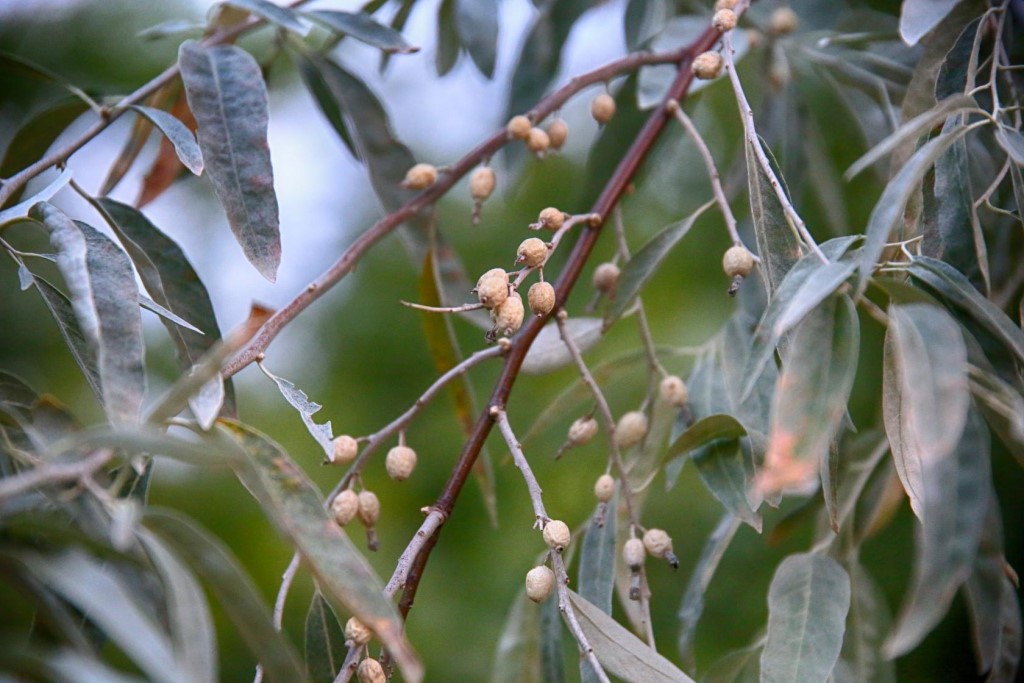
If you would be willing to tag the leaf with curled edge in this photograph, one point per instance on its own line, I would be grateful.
(228, 98)
(297, 398)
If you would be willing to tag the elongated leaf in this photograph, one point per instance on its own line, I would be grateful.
(954, 501)
(738, 666)
(693, 600)
(727, 470)
(948, 282)
(925, 394)
(549, 353)
(325, 641)
(1006, 662)
(241, 601)
(984, 589)
(552, 665)
(274, 13)
(887, 216)
(322, 433)
(776, 242)
(517, 658)
(918, 17)
(477, 24)
(228, 97)
(66, 664)
(642, 20)
(1003, 407)
(191, 626)
(318, 88)
(619, 651)
(105, 301)
(807, 605)
(810, 400)
(642, 266)
(448, 42)
(108, 601)
(168, 315)
(866, 626)
(1012, 142)
(27, 68)
(363, 27)
(597, 560)
(178, 133)
(293, 502)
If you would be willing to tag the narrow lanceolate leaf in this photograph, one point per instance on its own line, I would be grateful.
(298, 399)
(597, 569)
(329, 105)
(552, 664)
(776, 241)
(363, 27)
(704, 431)
(985, 591)
(235, 591)
(325, 641)
(191, 626)
(620, 652)
(274, 13)
(955, 501)
(887, 216)
(228, 97)
(293, 502)
(645, 262)
(925, 394)
(727, 470)
(108, 602)
(104, 297)
(866, 626)
(807, 605)
(178, 133)
(549, 353)
(477, 24)
(810, 399)
(517, 659)
(448, 47)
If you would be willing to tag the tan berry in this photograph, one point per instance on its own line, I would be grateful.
(369, 508)
(400, 462)
(737, 261)
(707, 65)
(782, 21)
(602, 108)
(659, 544)
(508, 316)
(538, 141)
(541, 298)
(345, 506)
(631, 429)
(582, 430)
(492, 288)
(558, 133)
(539, 582)
(550, 219)
(604, 488)
(370, 671)
(357, 633)
(673, 391)
(481, 183)
(532, 252)
(556, 535)
(725, 4)
(606, 278)
(420, 176)
(345, 449)
(519, 127)
(633, 553)
(724, 20)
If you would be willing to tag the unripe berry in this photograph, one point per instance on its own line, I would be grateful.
(737, 261)
(345, 449)
(783, 20)
(725, 4)
(673, 391)
(602, 108)
(370, 671)
(481, 183)
(550, 219)
(492, 287)
(369, 508)
(541, 298)
(538, 141)
(659, 544)
(539, 582)
(558, 133)
(604, 488)
(556, 535)
(345, 506)
(400, 462)
(633, 553)
(519, 127)
(582, 430)
(532, 252)
(508, 316)
(724, 20)
(707, 65)
(606, 278)
(357, 633)
(631, 429)
(420, 176)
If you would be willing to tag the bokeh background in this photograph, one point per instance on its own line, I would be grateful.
(363, 356)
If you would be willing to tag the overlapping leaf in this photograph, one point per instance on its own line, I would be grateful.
(180, 136)
(363, 27)
(517, 659)
(325, 641)
(549, 353)
(274, 13)
(777, 244)
(866, 625)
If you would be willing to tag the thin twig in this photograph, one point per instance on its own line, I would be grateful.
(516, 448)
(443, 309)
(569, 223)
(570, 617)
